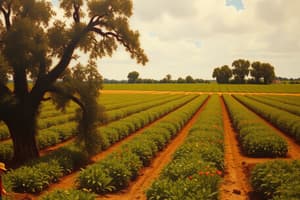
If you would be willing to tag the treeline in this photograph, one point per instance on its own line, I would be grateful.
(261, 73)
(133, 77)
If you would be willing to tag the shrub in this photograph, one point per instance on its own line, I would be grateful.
(69, 195)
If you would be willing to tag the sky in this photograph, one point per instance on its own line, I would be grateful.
(192, 37)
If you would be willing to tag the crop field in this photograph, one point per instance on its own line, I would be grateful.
(230, 142)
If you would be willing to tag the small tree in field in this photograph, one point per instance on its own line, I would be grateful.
(133, 77)
(29, 44)
(240, 70)
(222, 74)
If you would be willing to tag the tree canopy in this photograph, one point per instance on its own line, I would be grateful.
(240, 70)
(261, 72)
(133, 77)
(222, 74)
(36, 46)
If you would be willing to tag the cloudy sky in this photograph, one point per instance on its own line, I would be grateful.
(192, 37)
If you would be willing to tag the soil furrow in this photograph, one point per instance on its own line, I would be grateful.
(235, 183)
(137, 188)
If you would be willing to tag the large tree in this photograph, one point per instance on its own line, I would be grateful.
(240, 70)
(256, 72)
(222, 74)
(133, 77)
(268, 73)
(263, 71)
(35, 46)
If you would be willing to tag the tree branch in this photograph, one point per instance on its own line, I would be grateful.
(115, 35)
(6, 14)
(76, 14)
(69, 96)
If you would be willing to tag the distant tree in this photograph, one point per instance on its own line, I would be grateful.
(133, 77)
(257, 71)
(263, 71)
(31, 39)
(169, 78)
(181, 80)
(189, 79)
(240, 70)
(268, 73)
(222, 74)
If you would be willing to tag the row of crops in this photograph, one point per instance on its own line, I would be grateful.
(197, 166)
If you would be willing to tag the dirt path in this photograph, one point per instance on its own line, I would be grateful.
(56, 146)
(235, 183)
(136, 190)
(68, 181)
(182, 92)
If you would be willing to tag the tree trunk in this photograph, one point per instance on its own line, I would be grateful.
(22, 127)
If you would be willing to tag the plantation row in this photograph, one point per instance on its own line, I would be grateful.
(285, 121)
(277, 104)
(277, 180)
(197, 166)
(114, 172)
(112, 115)
(273, 88)
(58, 133)
(38, 174)
(256, 138)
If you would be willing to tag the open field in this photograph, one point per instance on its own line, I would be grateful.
(171, 145)
(244, 88)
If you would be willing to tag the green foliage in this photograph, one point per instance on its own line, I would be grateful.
(277, 179)
(115, 171)
(240, 70)
(222, 74)
(192, 173)
(69, 195)
(34, 179)
(257, 139)
(287, 122)
(132, 77)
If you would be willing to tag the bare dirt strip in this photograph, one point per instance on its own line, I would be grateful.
(68, 181)
(182, 92)
(238, 167)
(136, 190)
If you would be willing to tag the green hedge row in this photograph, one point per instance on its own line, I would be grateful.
(75, 160)
(197, 165)
(69, 195)
(36, 175)
(285, 121)
(116, 171)
(277, 180)
(120, 129)
(117, 114)
(136, 100)
(257, 139)
(277, 104)
(292, 100)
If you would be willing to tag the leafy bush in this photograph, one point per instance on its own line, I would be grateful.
(284, 120)
(257, 138)
(278, 179)
(69, 195)
(115, 171)
(196, 167)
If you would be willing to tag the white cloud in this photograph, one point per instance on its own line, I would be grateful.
(171, 31)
